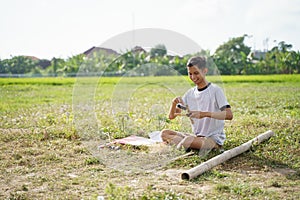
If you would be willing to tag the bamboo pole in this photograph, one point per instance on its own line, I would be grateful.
(183, 156)
(200, 169)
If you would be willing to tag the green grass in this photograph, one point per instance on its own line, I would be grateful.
(43, 155)
(258, 78)
(57, 81)
(37, 81)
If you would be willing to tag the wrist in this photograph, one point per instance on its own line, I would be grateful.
(206, 114)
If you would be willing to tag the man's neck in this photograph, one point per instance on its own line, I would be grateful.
(202, 85)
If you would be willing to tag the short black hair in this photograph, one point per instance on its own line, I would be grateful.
(198, 61)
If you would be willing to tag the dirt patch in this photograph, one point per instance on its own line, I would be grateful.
(65, 166)
(285, 171)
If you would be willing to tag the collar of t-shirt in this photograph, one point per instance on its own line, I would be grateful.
(201, 89)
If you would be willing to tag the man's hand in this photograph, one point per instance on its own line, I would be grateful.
(174, 110)
(177, 100)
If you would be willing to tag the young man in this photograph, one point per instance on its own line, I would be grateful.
(208, 108)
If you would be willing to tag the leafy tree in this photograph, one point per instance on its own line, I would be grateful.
(72, 65)
(158, 50)
(281, 59)
(43, 63)
(56, 65)
(295, 62)
(283, 47)
(231, 57)
(98, 63)
(284, 55)
(2, 67)
(17, 65)
(179, 64)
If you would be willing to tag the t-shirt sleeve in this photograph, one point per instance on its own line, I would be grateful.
(221, 100)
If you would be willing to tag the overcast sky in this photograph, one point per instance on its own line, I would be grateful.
(63, 28)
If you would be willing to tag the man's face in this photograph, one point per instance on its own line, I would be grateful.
(197, 75)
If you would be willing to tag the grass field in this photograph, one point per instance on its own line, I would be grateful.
(45, 123)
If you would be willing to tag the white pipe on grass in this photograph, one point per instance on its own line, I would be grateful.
(200, 169)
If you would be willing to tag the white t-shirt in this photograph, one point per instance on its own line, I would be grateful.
(211, 99)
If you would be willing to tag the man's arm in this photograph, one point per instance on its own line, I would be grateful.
(222, 115)
(174, 111)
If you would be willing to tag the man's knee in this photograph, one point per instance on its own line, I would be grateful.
(165, 134)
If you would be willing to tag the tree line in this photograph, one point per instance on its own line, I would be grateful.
(231, 58)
